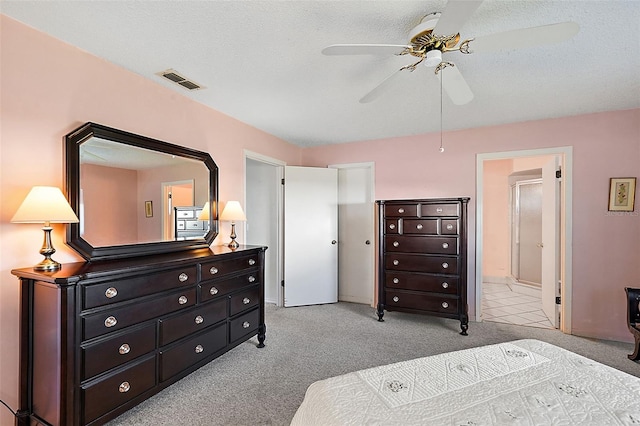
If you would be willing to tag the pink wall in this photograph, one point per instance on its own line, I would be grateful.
(107, 206)
(496, 234)
(48, 89)
(606, 246)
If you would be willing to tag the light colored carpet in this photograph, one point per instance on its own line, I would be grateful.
(251, 386)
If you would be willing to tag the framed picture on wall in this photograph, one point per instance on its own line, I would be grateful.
(622, 193)
(148, 208)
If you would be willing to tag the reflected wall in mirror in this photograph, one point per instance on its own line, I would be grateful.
(136, 195)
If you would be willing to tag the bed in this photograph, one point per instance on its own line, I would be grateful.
(523, 382)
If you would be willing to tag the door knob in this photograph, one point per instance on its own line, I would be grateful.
(367, 242)
(334, 242)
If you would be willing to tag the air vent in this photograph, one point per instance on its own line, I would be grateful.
(175, 77)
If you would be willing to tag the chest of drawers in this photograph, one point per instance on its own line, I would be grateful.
(98, 338)
(422, 264)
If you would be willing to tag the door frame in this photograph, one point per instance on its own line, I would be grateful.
(279, 250)
(566, 197)
(370, 166)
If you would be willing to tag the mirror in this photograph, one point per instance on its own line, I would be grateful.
(136, 196)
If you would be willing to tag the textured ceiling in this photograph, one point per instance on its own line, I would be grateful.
(260, 61)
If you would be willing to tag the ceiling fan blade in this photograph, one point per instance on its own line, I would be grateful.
(524, 37)
(364, 49)
(381, 88)
(455, 14)
(455, 85)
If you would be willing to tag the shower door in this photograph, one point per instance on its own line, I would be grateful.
(526, 231)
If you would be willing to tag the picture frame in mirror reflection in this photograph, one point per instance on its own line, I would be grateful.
(622, 194)
(148, 208)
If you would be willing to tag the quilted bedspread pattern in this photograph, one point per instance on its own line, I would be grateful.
(524, 382)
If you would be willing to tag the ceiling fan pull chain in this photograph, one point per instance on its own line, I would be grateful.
(441, 146)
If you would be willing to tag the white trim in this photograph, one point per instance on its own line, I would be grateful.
(566, 222)
(263, 158)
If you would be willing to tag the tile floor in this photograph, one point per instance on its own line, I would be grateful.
(500, 304)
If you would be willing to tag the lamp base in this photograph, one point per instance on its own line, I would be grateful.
(48, 265)
(47, 250)
(233, 244)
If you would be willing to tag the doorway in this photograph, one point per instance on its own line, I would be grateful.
(174, 194)
(555, 242)
(265, 225)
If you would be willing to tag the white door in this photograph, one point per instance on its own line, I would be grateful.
(550, 240)
(310, 236)
(356, 233)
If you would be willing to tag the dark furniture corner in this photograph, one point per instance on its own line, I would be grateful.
(633, 318)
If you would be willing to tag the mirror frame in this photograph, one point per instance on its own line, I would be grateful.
(76, 138)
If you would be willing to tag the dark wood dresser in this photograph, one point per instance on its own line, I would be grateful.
(422, 264)
(98, 338)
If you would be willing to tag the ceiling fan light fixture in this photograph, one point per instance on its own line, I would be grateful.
(433, 59)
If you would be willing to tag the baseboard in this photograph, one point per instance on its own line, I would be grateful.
(495, 280)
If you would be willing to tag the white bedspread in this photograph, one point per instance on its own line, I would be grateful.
(525, 382)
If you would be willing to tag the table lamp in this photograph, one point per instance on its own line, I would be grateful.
(233, 212)
(45, 204)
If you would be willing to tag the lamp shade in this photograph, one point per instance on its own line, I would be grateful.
(45, 204)
(204, 214)
(232, 212)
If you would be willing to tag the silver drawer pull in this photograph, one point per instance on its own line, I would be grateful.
(182, 300)
(445, 265)
(111, 292)
(396, 281)
(246, 301)
(445, 305)
(199, 319)
(110, 322)
(401, 210)
(246, 324)
(445, 245)
(392, 226)
(445, 285)
(199, 349)
(252, 262)
(396, 244)
(449, 227)
(124, 387)
(419, 226)
(439, 210)
(213, 270)
(124, 349)
(396, 298)
(213, 291)
(183, 277)
(251, 278)
(396, 262)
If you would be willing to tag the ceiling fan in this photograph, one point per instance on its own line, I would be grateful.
(438, 34)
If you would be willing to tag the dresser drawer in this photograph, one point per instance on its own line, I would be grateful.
(439, 210)
(244, 325)
(401, 210)
(114, 319)
(421, 244)
(199, 318)
(217, 288)
(115, 351)
(244, 300)
(103, 396)
(421, 263)
(126, 289)
(420, 226)
(178, 357)
(421, 301)
(222, 267)
(421, 282)
(392, 226)
(449, 227)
